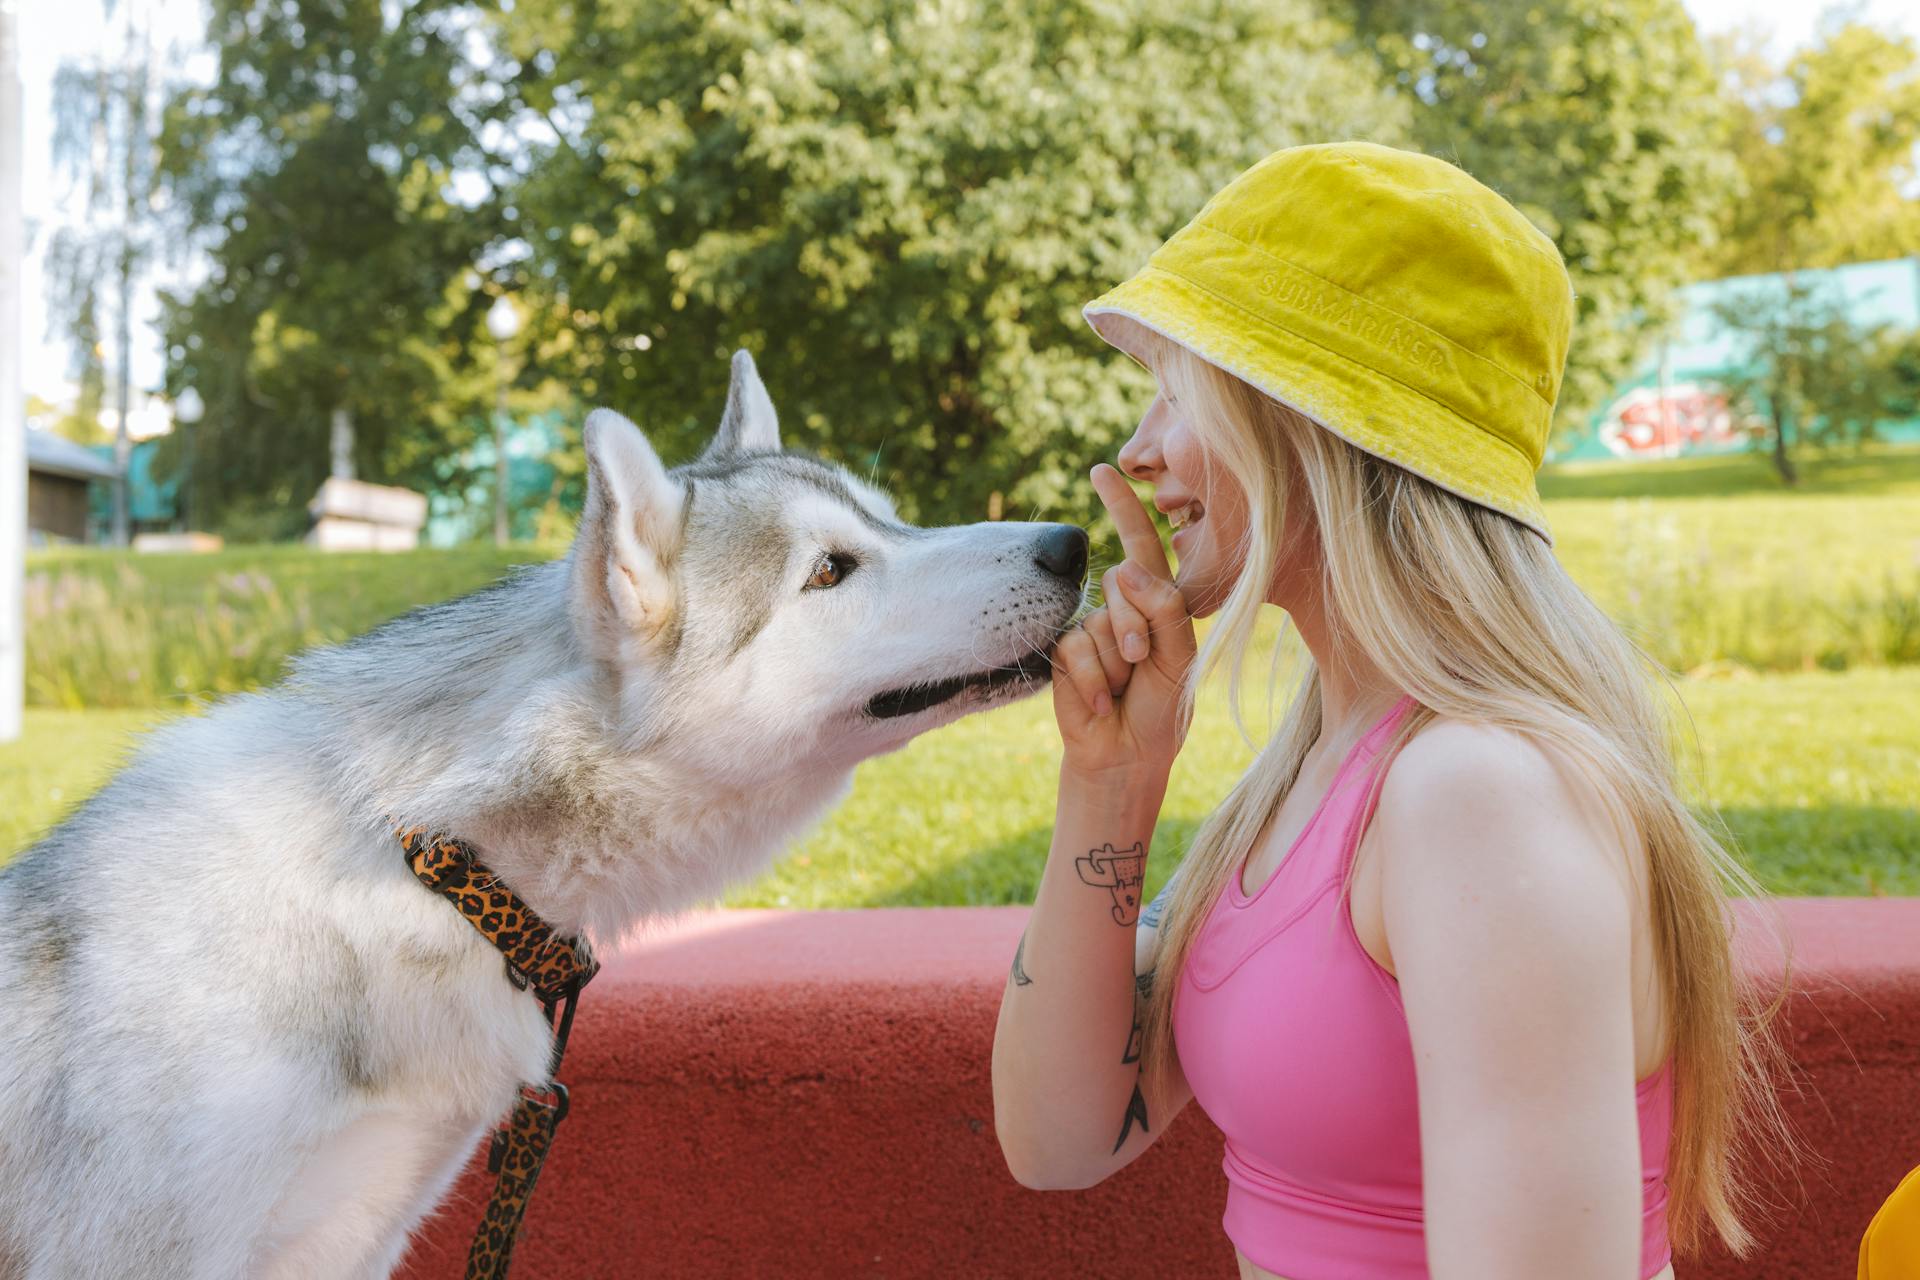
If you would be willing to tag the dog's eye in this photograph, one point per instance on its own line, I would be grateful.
(828, 570)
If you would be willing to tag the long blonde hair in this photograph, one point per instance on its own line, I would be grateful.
(1470, 613)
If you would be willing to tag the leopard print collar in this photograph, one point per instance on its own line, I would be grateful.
(555, 967)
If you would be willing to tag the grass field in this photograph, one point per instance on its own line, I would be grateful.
(1816, 774)
(1875, 471)
(60, 759)
(106, 629)
(1712, 561)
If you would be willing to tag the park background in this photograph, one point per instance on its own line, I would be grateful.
(270, 235)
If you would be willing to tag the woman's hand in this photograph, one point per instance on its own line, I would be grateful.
(1117, 676)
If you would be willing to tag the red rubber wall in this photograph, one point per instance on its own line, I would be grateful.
(807, 1094)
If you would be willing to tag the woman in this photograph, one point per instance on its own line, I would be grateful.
(1449, 966)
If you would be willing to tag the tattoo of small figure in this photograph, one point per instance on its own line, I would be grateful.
(1136, 1111)
(1143, 984)
(1020, 978)
(1120, 872)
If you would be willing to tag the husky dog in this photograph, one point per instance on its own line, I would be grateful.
(239, 1038)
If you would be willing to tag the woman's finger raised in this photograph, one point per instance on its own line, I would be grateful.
(1131, 521)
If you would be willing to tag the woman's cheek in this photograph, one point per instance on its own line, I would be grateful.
(1218, 556)
(1199, 575)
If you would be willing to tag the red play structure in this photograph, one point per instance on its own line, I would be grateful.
(804, 1094)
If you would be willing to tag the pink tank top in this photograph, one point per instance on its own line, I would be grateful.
(1295, 1043)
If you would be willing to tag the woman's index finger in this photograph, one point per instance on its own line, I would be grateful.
(1130, 520)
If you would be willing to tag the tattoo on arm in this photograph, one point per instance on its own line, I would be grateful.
(1020, 978)
(1137, 1104)
(1118, 871)
(1136, 1111)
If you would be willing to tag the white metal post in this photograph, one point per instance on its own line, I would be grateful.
(13, 431)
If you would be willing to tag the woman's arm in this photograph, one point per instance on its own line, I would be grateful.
(1508, 912)
(1070, 1106)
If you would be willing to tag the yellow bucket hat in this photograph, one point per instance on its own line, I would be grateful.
(1385, 294)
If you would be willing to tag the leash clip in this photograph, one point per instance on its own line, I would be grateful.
(552, 1095)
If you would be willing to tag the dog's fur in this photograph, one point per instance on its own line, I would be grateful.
(238, 1038)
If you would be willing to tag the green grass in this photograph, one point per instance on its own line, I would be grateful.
(1817, 775)
(106, 629)
(60, 758)
(1875, 471)
(1762, 581)
(1713, 561)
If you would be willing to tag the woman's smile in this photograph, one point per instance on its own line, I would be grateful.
(1183, 520)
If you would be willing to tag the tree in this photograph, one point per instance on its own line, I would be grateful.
(76, 424)
(341, 312)
(104, 135)
(898, 206)
(1827, 144)
(1813, 373)
(1601, 121)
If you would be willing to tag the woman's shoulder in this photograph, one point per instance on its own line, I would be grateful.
(1451, 759)
(1487, 795)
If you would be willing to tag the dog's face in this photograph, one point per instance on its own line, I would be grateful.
(778, 603)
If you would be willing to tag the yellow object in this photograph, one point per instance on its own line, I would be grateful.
(1387, 295)
(1891, 1248)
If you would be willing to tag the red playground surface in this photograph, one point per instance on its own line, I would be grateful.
(806, 1094)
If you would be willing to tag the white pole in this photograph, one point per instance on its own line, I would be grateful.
(13, 438)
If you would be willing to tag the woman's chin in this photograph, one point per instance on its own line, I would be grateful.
(1203, 597)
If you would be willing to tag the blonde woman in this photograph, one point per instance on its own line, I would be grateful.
(1449, 966)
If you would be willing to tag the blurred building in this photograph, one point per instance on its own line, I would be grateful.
(70, 485)
(1674, 405)
(62, 478)
(153, 504)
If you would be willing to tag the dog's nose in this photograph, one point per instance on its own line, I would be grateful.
(1062, 552)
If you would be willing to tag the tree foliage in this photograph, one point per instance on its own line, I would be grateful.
(899, 206)
(1601, 121)
(1814, 374)
(1827, 144)
(103, 140)
(320, 168)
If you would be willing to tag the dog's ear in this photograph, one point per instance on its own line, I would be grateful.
(749, 424)
(629, 532)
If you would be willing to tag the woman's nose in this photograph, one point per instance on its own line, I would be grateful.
(1138, 459)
